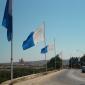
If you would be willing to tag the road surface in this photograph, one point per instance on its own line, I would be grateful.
(64, 77)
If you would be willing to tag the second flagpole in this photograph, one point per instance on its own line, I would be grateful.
(55, 53)
(45, 45)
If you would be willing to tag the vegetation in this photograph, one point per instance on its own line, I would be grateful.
(51, 63)
(18, 72)
(76, 62)
(4, 75)
(82, 60)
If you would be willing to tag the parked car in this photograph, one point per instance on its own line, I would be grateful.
(83, 69)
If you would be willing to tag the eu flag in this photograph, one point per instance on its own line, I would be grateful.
(7, 19)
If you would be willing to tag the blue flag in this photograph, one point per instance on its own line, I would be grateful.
(47, 48)
(44, 50)
(28, 42)
(7, 19)
(34, 38)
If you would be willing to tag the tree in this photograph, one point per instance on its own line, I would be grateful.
(51, 62)
(82, 60)
(74, 63)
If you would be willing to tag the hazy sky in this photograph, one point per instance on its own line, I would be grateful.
(64, 21)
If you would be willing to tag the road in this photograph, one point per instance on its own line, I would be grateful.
(64, 77)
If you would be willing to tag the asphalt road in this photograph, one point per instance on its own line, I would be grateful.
(64, 77)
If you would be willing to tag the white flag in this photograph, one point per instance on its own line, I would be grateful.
(51, 47)
(39, 34)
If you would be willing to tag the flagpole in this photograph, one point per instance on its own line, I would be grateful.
(12, 52)
(62, 61)
(55, 53)
(45, 45)
(60, 54)
(12, 59)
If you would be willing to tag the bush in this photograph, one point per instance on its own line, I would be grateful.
(18, 72)
(4, 75)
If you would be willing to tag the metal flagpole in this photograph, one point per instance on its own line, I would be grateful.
(45, 45)
(12, 59)
(71, 60)
(12, 52)
(71, 63)
(55, 53)
(62, 60)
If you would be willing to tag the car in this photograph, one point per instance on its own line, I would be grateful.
(83, 69)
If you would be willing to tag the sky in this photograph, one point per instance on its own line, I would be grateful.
(64, 22)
